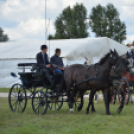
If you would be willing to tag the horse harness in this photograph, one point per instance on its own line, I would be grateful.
(86, 80)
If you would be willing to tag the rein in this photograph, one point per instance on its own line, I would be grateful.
(98, 78)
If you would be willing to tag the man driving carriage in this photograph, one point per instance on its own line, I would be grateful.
(47, 67)
(43, 62)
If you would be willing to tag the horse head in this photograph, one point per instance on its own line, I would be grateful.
(120, 63)
(129, 62)
(113, 57)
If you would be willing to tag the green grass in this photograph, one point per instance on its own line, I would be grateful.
(61, 122)
(4, 90)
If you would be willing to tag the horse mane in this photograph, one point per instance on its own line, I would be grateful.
(102, 60)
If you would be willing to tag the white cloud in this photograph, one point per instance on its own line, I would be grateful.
(130, 39)
(33, 28)
(29, 16)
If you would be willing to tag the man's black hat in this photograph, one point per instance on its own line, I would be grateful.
(43, 47)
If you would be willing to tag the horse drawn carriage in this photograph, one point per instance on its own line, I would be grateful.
(36, 88)
(77, 78)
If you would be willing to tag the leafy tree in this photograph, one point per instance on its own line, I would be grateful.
(105, 22)
(127, 44)
(3, 37)
(71, 23)
(50, 37)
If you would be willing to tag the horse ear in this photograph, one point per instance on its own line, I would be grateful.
(116, 52)
(127, 52)
(111, 51)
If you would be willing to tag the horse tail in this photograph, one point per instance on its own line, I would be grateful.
(62, 87)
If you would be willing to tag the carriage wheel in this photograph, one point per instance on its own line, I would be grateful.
(126, 87)
(30, 93)
(17, 98)
(55, 104)
(39, 102)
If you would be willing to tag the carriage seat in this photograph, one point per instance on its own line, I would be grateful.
(38, 72)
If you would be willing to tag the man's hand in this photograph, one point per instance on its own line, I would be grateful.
(61, 68)
(48, 66)
(54, 66)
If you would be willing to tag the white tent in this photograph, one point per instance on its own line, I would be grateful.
(73, 51)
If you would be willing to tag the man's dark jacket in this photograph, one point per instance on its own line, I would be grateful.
(40, 60)
(57, 61)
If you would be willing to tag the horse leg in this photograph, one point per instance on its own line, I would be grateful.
(61, 87)
(106, 99)
(91, 97)
(122, 103)
(81, 105)
(68, 94)
(93, 109)
(80, 95)
(71, 99)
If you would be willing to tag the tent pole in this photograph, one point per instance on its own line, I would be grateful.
(49, 39)
(45, 19)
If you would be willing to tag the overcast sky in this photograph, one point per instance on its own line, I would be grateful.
(25, 19)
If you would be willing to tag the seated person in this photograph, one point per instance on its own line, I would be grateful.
(57, 60)
(132, 52)
(44, 64)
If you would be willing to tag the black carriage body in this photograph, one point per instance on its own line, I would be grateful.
(40, 99)
(29, 79)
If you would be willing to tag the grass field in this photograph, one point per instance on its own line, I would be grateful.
(4, 90)
(61, 122)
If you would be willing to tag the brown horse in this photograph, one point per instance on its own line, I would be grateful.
(116, 77)
(79, 78)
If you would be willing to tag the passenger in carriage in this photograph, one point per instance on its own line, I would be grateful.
(44, 64)
(132, 52)
(57, 60)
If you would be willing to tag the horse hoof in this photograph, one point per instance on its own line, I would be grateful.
(71, 111)
(87, 113)
(109, 114)
(119, 110)
(79, 108)
(94, 111)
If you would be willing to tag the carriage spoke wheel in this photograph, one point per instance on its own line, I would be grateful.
(17, 98)
(39, 102)
(54, 103)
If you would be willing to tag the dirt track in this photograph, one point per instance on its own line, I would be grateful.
(5, 95)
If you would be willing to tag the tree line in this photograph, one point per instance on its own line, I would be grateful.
(3, 37)
(104, 21)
